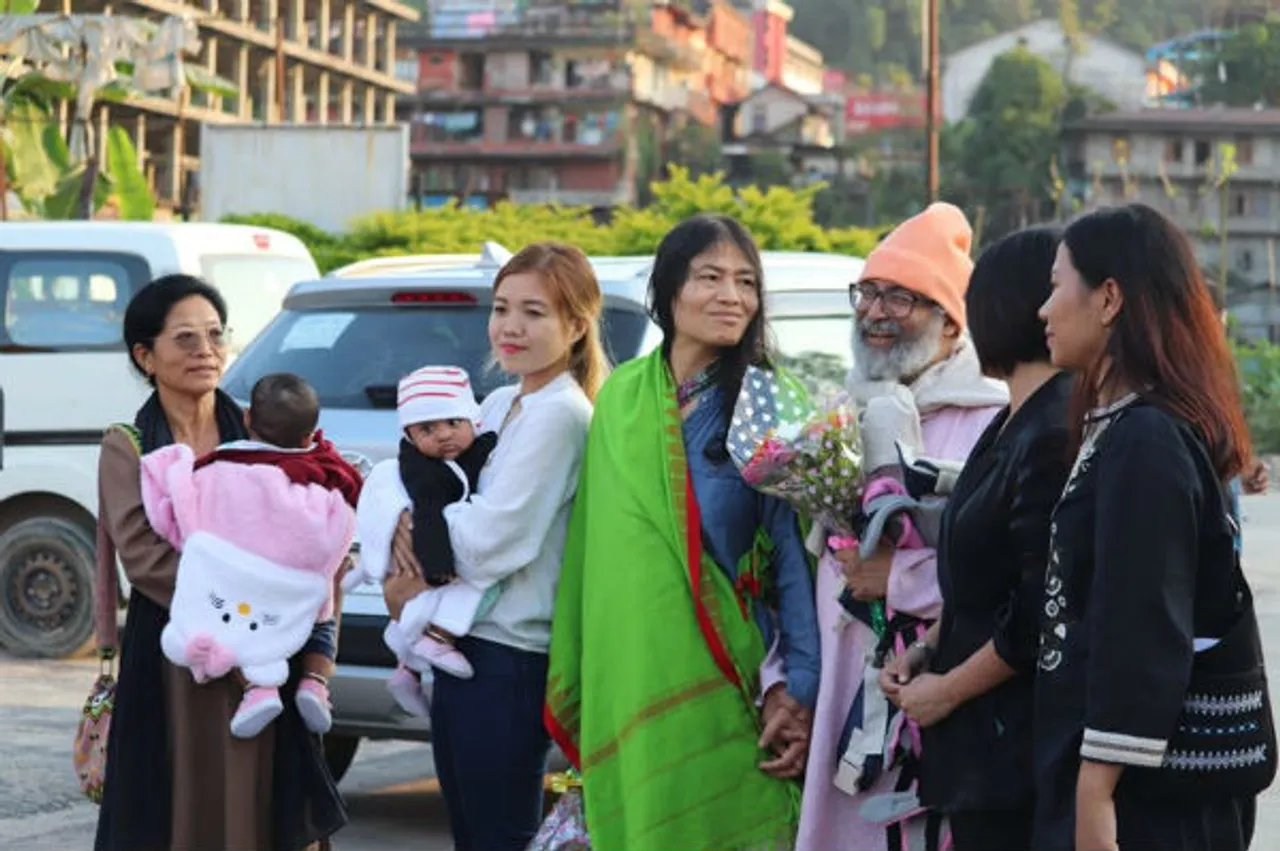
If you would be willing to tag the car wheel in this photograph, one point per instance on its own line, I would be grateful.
(339, 752)
(46, 587)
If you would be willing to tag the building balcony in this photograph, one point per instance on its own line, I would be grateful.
(569, 197)
(515, 150)
(441, 96)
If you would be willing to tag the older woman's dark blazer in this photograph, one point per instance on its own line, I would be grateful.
(991, 562)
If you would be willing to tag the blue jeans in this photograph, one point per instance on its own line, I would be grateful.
(491, 747)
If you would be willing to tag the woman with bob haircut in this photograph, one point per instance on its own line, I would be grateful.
(975, 702)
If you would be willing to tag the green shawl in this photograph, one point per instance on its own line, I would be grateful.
(654, 657)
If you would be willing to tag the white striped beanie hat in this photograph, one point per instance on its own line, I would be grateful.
(436, 393)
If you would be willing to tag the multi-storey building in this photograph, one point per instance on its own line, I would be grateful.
(314, 61)
(1215, 171)
(568, 103)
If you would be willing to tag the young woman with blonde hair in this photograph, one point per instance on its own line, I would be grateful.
(487, 732)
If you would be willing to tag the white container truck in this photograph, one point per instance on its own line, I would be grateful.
(326, 175)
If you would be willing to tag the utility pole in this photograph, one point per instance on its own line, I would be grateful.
(933, 103)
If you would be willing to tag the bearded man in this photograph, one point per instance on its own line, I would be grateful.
(915, 374)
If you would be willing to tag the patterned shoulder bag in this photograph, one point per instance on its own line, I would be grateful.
(1225, 743)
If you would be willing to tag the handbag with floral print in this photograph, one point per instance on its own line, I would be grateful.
(90, 752)
(565, 829)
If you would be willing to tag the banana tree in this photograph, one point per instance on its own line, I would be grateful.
(52, 186)
(94, 58)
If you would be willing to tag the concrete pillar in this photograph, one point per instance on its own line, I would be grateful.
(323, 25)
(389, 47)
(390, 108)
(270, 114)
(175, 162)
(299, 15)
(297, 77)
(211, 49)
(370, 105)
(348, 96)
(371, 40)
(348, 30)
(322, 99)
(245, 106)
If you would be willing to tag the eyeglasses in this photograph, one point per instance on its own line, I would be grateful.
(189, 339)
(896, 301)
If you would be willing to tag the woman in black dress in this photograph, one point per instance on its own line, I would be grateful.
(1142, 580)
(975, 702)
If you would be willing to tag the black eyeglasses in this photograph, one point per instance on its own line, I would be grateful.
(897, 302)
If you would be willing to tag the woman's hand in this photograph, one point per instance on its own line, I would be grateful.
(403, 559)
(787, 726)
(927, 699)
(868, 580)
(1096, 807)
(1095, 823)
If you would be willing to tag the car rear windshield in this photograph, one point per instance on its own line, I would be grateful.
(354, 357)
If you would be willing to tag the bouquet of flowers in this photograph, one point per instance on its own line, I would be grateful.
(787, 446)
(808, 454)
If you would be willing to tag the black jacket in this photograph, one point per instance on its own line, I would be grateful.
(432, 485)
(991, 564)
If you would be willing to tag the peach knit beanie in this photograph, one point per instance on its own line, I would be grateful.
(929, 255)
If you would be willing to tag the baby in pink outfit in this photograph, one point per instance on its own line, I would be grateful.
(262, 526)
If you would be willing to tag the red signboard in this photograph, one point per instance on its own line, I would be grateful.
(876, 112)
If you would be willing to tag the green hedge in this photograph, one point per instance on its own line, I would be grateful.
(781, 220)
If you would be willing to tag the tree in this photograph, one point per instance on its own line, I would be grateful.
(1010, 139)
(1245, 68)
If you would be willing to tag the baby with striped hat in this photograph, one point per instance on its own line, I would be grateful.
(442, 450)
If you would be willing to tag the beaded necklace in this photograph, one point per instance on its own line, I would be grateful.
(694, 386)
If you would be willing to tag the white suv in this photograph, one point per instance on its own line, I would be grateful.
(353, 338)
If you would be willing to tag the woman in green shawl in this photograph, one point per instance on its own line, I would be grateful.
(678, 578)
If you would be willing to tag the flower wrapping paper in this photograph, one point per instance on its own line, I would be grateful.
(790, 447)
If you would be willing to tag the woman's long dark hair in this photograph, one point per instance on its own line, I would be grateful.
(679, 247)
(1167, 342)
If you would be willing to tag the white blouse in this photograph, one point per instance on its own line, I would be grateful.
(514, 526)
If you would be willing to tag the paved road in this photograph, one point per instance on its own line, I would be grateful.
(394, 801)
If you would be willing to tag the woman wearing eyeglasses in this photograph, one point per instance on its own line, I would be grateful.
(176, 779)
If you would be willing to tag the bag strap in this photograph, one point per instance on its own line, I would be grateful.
(107, 584)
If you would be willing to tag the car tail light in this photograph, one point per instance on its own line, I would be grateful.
(262, 241)
(432, 298)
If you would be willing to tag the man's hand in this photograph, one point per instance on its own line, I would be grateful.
(868, 580)
(787, 726)
(1256, 477)
(927, 699)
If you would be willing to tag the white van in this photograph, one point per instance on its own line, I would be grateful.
(65, 376)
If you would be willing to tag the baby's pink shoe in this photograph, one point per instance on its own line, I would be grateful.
(446, 657)
(405, 686)
(259, 708)
(313, 704)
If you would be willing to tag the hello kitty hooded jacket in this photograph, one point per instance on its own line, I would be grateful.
(259, 554)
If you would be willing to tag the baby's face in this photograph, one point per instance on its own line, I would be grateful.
(444, 439)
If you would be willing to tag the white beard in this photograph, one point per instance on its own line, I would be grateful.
(904, 360)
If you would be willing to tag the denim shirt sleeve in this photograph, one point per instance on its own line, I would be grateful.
(797, 609)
